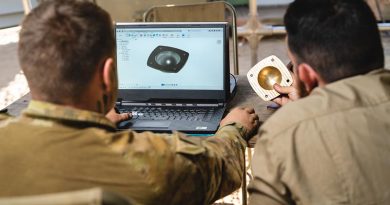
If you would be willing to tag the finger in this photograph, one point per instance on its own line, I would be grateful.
(128, 116)
(277, 101)
(283, 89)
(250, 109)
(253, 119)
(256, 117)
(123, 117)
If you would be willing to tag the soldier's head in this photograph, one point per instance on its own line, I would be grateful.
(329, 40)
(66, 51)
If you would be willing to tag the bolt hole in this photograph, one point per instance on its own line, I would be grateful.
(288, 80)
(266, 96)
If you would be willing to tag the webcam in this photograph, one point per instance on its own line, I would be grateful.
(167, 59)
(265, 74)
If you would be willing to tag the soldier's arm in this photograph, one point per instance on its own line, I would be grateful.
(4, 116)
(190, 170)
(221, 165)
(193, 170)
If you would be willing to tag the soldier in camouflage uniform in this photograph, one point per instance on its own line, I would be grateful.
(63, 141)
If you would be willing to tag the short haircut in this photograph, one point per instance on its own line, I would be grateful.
(62, 45)
(338, 38)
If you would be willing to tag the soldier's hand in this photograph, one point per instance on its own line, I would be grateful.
(288, 93)
(115, 117)
(246, 117)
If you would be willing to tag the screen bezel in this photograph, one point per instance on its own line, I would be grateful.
(145, 95)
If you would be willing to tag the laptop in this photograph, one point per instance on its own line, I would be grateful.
(173, 76)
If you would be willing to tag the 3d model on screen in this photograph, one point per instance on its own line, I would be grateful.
(167, 59)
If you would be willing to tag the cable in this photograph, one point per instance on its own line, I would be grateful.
(234, 88)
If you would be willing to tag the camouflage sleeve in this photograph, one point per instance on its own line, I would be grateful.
(190, 170)
(4, 116)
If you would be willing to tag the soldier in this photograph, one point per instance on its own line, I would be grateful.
(64, 142)
(331, 144)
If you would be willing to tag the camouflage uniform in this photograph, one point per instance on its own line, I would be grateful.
(53, 148)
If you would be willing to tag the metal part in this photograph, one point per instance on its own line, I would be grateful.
(27, 6)
(268, 76)
(254, 30)
(234, 36)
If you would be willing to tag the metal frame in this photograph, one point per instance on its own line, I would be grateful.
(377, 5)
(254, 30)
(27, 6)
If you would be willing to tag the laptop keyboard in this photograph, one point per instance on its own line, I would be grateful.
(170, 113)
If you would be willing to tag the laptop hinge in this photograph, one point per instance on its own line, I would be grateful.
(118, 102)
(124, 103)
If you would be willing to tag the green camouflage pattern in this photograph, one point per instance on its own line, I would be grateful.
(52, 148)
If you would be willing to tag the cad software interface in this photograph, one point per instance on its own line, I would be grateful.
(170, 58)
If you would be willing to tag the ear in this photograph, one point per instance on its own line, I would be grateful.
(309, 77)
(108, 72)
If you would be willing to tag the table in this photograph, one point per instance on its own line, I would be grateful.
(244, 96)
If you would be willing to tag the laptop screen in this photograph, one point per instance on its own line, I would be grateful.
(177, 60)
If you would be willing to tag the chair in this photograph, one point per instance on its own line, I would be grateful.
(381, 9)
(218, 11)
(94, 196)
(132, 10)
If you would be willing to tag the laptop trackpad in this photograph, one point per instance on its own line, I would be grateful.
(151, 123)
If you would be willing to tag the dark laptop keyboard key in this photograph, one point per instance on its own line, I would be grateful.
(169, 113)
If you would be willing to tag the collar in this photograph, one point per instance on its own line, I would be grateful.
(39, 109)
(378, 71)
(371, 73)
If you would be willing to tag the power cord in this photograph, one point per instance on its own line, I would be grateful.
(233, 86)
